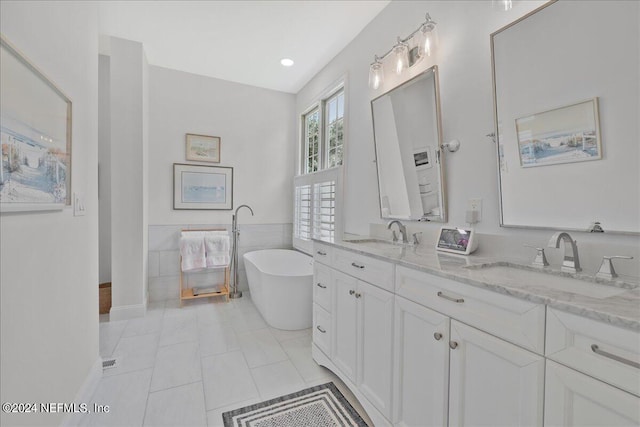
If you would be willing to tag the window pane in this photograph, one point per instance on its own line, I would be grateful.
(340, 105)
(311, 141)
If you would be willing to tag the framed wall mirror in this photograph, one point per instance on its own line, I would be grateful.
(566, 89)
(408, 137)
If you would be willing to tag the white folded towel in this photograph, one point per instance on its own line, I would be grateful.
(193, 252)
(217, 245)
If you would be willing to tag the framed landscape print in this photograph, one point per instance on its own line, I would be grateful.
(202, 187)
(563, 135)
(35, 133)
(203, 148)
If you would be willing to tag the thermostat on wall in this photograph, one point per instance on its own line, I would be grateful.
(457, 240)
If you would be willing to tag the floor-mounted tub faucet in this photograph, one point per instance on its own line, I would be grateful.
(235, 293)
(571, 261)
(401, 228)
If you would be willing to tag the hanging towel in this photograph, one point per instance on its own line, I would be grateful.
(217, 247)
(193, 253)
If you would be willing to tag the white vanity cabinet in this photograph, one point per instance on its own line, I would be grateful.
(493, 382)
(449, 373)
(593, 372)
(362, 322)
(421, 365)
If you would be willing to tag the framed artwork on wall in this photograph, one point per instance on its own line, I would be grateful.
(564, 135)
(35, 133)
(203, 148)
(202, 187)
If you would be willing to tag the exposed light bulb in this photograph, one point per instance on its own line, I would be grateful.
(402, 57)
(376, 75)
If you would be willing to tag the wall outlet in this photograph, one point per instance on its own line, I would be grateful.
(79, 208)
(475, 205)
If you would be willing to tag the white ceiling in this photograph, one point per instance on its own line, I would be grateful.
(240, 41)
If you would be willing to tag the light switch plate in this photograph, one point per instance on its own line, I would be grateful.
(79, 208)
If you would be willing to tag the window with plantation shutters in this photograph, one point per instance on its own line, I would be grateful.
(317, 201)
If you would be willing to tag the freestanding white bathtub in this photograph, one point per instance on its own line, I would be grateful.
(281, 286)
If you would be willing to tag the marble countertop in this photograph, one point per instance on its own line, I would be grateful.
(622, 309)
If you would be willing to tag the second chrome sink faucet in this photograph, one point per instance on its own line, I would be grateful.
(401, 228)
(571, 261)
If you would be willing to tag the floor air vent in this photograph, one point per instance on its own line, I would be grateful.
(109, 363)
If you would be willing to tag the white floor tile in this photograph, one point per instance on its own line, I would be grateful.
(126, 396)
(178, 406)
(149, 324)
(179, 328)
(299, 352)
(176, 365)
(277, 379)
(217, 338)
(110, 333)
(134, 353)
(282, 335)
(261, 348)
(227, 380)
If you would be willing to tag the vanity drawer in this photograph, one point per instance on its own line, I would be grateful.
(322, 253)
(374, 271)
(322, 329)
(512, 319)
(322, 286)
(601, 350)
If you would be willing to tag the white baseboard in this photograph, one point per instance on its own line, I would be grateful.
(126, 312)
(86, 392)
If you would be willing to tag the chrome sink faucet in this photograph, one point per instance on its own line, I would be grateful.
(571, 262)
(401, 228)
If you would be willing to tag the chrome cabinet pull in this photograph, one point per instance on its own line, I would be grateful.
(437, 336)
(320, 285)
(457, 300)
(596, 350)
(321, 253)
(453, 345)
(351, 292)
(358, 295)
(357, 265)
(321, 330)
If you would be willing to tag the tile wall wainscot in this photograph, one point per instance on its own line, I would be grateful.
(164, 253)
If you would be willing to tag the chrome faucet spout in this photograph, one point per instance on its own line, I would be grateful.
(235, 293)
(571, 261)
(401, 228)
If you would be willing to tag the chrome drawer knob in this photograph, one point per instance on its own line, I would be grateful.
(437, 336)
(453, 345)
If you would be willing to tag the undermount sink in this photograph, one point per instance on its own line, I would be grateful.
(379, 243)
(508, 274)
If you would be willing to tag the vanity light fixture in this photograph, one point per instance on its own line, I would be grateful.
(404, 57)
(376, 74)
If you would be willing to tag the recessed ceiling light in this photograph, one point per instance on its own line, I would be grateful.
(286, 62)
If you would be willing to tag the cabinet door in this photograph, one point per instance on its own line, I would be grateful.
(493, 382)
(344, 323)
(575, 399)
(375, 345)
(421, 365)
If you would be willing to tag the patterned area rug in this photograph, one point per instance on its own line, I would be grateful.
(320, 406)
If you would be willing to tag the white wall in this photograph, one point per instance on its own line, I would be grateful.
(49, 273)
(104, 165)
(257, 132)
(464, 60)
(129, 151)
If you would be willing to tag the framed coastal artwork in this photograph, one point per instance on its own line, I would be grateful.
(202, 187)
(35, 133)
(203, 148)
(564, 135)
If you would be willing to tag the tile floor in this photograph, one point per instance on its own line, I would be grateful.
(186, 366)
